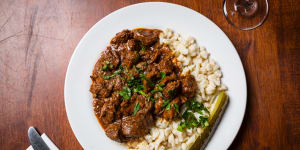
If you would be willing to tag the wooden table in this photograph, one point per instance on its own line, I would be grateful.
(37, 39)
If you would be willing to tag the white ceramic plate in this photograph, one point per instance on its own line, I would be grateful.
(78, 99)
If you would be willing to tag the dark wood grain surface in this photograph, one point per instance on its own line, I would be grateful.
(37, 39)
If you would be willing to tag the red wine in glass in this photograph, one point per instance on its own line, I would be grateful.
(246, 14)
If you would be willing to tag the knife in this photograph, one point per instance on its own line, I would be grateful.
(36, 140)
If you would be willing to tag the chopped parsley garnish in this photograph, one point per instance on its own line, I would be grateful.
(190, 121)
(160, 94)
(168, 107)
(138, 88)
(105, 67)
(203, 121)
(152, 99)
(137, 69)
(107, 77)
(118, 72)
(111, 66)
(121, 68)
(162, 75)
(176, 107)
(143, 47)
(143, 93)
(195, 106)
(136, 84)
(143, 77)
(125, 93)
(158, 88)
(136, 108)
(166, 102)
(181, 126)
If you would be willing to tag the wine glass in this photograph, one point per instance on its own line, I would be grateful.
(246, 14)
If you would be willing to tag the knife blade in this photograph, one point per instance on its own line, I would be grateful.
(36, 140)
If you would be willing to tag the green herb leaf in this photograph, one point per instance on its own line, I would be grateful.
(154, 91)
(158, 88)
(107, 77)
(136, 108)
(160, 94)
(203, 121)
(121, 68)
(143, 47)
(161, 85)
(143, 77)
(125, 93)
(111, 66)
(190, 121)
(105, 67)
(152, 99)
(137, 69)
(168, 107)
(181, 126)
(196, 106)
(142, 93)
(166, 102)
(138, 88)
(118, 72)
(176, 107)
(162, 75)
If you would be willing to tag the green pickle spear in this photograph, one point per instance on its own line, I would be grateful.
(213, 119)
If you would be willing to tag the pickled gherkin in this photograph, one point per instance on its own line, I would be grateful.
(213, 120)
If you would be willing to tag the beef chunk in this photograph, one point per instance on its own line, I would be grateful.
(166, 65)
(107, 114)
(147, 37)
(114, 100)
(121, 37)
(109, 60)
(171, 88)
(189, 86)
(126, 108)
(153, 72)
(136, 126)
(132, 45)
(113, 131)
(131, 57)
(149, 56)
(97, 104)
(145, 104)
(171, 113)
(111, 57)
(101, 88)
(142, 65)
